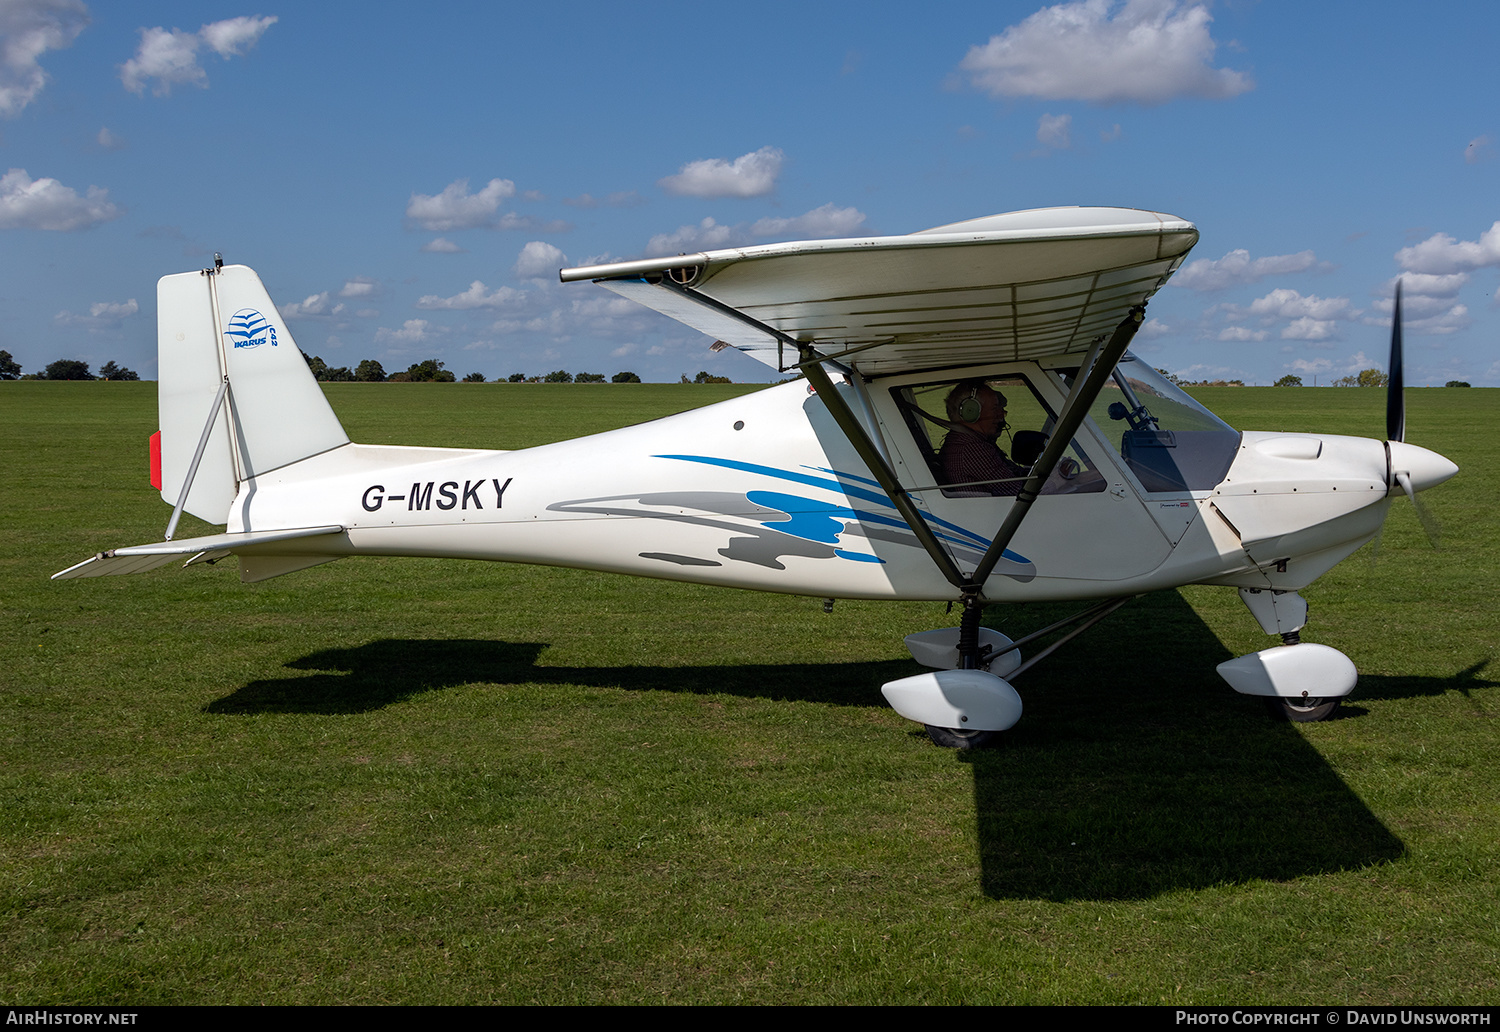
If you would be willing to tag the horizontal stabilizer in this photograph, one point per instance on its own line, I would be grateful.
(140, 558)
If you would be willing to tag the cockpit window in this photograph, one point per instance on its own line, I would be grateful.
(1169, 441)
(952, 422)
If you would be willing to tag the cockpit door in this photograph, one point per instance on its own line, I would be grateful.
(1089, 523)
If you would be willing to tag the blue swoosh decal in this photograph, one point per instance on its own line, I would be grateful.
(973, 539)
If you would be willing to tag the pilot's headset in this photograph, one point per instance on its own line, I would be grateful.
(969, 409)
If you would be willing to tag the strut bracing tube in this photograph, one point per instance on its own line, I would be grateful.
(1085, 390)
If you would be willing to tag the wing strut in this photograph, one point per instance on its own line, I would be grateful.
(873, 457)
(884, 475)
(1085, 390)
(1086, 387)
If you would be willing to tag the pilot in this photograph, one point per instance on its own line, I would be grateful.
(969, 452)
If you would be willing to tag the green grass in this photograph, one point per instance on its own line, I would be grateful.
(419, 781)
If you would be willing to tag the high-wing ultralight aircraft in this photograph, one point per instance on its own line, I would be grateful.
(833, 485)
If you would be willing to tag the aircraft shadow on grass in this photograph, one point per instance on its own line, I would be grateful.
(1134, 772)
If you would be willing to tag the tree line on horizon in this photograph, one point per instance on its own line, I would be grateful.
(64, 369)
(432, 371)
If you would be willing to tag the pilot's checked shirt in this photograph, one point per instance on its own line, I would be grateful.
(966, 457)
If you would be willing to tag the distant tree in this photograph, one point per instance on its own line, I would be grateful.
(685, 379)
(1289, 380)
(1364, 378)
(110, 371)
(10, 369)
(428, 371)
(325, 373)
(1450, 383)
(370, 371)
(589, 378)
(474, 378)
(624, 377)
(517, 378)
(558, 376)
(68, 369)
(706, 377)
(1173, 378)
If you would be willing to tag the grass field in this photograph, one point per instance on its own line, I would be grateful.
(417, 781)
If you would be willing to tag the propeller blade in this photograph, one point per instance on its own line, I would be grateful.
(1395, 397)
(1429, 522)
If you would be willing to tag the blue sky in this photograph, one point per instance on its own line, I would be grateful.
(407, 179)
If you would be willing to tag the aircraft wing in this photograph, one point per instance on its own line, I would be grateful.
(140, 558)
(1026, 285)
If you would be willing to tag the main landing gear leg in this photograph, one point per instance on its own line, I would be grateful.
(1298, 681)
(970, 657)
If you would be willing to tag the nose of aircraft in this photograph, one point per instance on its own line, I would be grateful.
(1424, 468)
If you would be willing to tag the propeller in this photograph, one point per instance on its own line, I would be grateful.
(1395, 427)
(1395, 396)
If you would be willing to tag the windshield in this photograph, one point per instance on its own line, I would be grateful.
(1169, 441)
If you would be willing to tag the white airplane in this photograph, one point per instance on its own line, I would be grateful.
(836, 485)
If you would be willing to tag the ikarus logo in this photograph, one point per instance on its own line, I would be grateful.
(249, 329)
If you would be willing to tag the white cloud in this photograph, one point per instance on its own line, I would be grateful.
(1479, 148)
(440, 245)
(1146, 51)
(1432, 285)
(749, 175)
(113, 310)
(28, 29)
(167, 57)
(705, 236)
(1284, 303)
(539, 260)
(1308, 328)
(820, 223)
(474, 297)
(412, 331)
(1441, 254)
(1237, 267)
(1112, 133)
(103, 315)
(171, 58)
(234, 36)
(111, 141)
(1449, 319)
(359, 286)
(1052, 131)
(314, 304)
(1312, 365)
(1434, 271)
(826, 221)
(456, 208)
(47, 204)
(1240, 333)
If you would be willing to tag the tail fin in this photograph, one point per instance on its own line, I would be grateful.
(220, 324)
